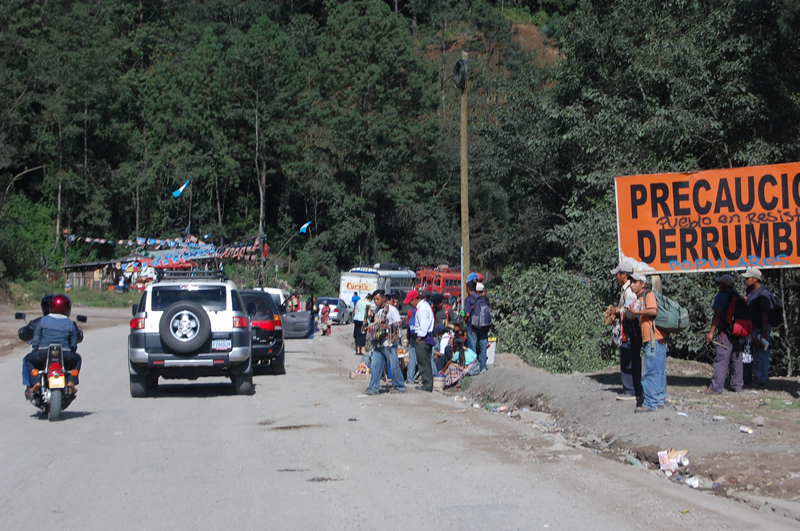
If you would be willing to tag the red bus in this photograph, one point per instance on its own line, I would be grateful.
(441, 280)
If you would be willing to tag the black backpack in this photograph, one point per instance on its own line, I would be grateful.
(481, 314)
(776, 310)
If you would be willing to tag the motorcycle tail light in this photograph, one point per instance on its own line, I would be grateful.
(55, 367)
(35, 372)
(240, 322)
(73, 372)
(137, 323)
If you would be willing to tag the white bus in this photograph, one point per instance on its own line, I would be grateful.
(363, 280)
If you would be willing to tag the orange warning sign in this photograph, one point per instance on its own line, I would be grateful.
(710, 220)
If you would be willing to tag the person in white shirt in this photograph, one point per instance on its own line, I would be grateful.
(423, 328)
(385, 333)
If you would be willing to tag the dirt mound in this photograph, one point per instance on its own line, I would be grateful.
(589, 414)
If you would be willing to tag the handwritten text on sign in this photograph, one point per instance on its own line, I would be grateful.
(711, 220)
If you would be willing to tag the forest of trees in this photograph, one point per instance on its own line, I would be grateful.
(344, 113)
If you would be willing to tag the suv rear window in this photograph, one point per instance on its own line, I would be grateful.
(211, 298)
(264, 309)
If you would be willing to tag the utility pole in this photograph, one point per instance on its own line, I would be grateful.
(460, 78)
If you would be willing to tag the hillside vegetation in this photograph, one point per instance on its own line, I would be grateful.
(344, 113)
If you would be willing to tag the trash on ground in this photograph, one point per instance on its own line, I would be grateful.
(496, 408)
(693, 482)
(441, 421)
(717, 417)
(745, 429)
(362, 395)
(476, 406)
(352, 420)
(682, 414)
(672, 459)
(685, 511)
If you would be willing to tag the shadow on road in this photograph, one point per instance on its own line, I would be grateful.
(65, 415)
(197, 390)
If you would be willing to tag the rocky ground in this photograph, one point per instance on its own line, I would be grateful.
(759, 467)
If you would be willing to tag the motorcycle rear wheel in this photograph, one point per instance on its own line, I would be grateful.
(56, 400)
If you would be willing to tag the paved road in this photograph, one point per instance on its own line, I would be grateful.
(289, 457)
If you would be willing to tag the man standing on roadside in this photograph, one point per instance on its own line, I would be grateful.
(654, 378)
(759, 302)
(386, 331)
(728, 349)
(481, 332)
(423, 328)
(630, 359)
(469, 305)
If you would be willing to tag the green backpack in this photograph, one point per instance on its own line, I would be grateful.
(672, 317)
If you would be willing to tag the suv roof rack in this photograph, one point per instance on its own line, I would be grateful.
(182, 274)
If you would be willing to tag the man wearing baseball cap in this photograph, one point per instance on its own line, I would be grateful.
(423, 328)
(728, 349)
(630, 359)
(759, 302)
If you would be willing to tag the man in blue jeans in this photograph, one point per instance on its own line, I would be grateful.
(386, 332)
(759, 303)
(654, 377)
(469, 305)
(481, 335)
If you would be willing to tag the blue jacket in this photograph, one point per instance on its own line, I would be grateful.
(55, 328)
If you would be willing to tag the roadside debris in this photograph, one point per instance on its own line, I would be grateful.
(670, 460)
(746, 429)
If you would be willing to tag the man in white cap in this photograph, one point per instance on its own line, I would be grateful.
(728, 349)
(630, 359)
(654, 377)
(759, 302)
(481, 313)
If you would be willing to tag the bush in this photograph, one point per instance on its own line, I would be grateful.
(522, 15)
(553, 319)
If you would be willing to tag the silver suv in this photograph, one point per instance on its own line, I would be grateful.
(190, 324)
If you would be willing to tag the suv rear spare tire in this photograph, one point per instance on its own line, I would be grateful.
(184, 327)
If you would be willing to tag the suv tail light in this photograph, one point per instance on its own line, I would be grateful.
(137, 323)
(268, 324)
(240, 322)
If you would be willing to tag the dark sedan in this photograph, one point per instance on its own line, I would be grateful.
(268, 349)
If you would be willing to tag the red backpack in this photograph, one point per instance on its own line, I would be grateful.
(737, 317)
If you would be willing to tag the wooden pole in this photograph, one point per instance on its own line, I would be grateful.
(464, 188)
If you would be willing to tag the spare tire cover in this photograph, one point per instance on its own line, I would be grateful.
(184, 327)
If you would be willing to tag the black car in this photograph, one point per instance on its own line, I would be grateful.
(265, 319)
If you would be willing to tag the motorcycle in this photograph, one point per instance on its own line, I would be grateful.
(52, 397)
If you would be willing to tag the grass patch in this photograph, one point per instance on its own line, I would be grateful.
(465, 382)
(25, 295)
(777, 403)
(523, 15)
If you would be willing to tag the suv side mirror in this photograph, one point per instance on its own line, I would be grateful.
(134, 309)
(81, 318)
(19, 315)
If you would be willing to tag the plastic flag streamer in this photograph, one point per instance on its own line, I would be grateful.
(179, 191)
(186, 248)
(305, 227)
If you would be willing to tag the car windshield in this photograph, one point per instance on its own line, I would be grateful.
(212, 299)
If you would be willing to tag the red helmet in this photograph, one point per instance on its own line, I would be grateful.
(61, 304)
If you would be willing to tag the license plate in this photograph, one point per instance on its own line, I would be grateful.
(56, 383)
(220, 344)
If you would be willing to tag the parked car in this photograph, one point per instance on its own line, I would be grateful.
(269, 353)
(341, 313)
(189, 325)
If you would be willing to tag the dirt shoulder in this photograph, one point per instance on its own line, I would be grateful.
(733, 463)
(97, 318)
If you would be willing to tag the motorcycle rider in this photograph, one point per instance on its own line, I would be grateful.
(54, 328)
(26, 332)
